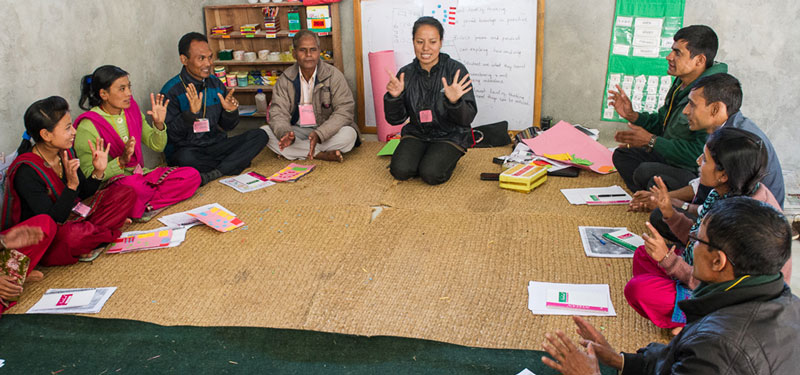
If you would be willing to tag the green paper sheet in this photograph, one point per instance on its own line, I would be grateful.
(641, 39)
(388, 149)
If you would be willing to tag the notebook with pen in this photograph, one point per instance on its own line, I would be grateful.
(625, 239)
(603, 199)
(597, 195)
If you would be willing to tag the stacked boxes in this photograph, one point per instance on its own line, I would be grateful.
(523, 177)
(223, 31)
(249, 30)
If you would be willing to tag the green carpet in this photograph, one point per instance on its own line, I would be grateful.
(53, 344)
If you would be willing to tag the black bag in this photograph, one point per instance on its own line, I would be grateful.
(491, 135)
(528, 133)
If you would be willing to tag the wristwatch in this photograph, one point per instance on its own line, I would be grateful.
(651, 143)
(685, 206)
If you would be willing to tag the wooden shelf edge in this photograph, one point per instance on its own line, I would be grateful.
(257, 5)
(251, 88)
(257, 62)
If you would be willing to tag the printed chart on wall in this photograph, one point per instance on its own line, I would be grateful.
(641, 39)
(496, 41)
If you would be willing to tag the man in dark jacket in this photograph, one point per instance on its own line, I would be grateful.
(200, 112)
(741, 319)
(661, 143)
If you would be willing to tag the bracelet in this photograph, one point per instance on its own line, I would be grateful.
(3, 243)
(119, 162)
(665, 256)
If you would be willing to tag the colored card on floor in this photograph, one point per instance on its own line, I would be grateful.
(247, 182)
(149, 240)
(219, 219)
(291, 173)
(388, 149)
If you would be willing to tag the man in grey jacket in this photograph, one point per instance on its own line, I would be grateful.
(741, 319)
(312, 109)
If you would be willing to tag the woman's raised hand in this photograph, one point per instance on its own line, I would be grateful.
(71, 169)
(159, 110)
(130, 147)
(456, 90)
(99, 156)
(395, 86)
(660, 196)
(655, 245)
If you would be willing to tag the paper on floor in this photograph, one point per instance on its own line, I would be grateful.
(537, 297)
(54, 300)
(581, 196)
(183, 219)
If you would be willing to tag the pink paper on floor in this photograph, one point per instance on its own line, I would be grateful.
(564, 138)
(141, 241)
(218, 219)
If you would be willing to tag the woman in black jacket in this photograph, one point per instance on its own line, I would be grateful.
(439, 113)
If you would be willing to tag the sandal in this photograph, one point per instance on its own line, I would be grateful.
(94, 254)
(149, 215)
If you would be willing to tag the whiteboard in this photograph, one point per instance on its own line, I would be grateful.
(496, 41)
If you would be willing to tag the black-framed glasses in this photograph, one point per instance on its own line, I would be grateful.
(693, 237)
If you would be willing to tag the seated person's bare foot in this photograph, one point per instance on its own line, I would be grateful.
(676, 331)
(128, 220)
(335, 155)
(34, 276)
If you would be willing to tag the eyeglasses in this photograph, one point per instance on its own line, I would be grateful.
(693, 237)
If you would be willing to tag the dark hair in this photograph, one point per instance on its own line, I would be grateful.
(721, 87)
(430, 21)
(741, 155)
(102, 78)
(302, 34)
(186, 42)
(700, 40)
(752, 233)
(42, 114)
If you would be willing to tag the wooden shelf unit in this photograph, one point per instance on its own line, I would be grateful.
(242, 14)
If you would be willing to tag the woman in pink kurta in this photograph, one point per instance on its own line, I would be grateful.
(114, 116)
(733, 163)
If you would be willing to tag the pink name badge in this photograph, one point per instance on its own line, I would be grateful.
(307, 115)
(425, 116)
(81, 209)
(201, 125)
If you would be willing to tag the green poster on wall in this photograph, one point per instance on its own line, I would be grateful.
(641, 39)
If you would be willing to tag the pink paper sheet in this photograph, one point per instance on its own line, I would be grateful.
(379, 63)
(564, 138)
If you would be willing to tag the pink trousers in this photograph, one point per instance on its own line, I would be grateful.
(162, 187)
(651, 292)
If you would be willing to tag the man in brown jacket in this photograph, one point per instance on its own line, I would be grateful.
(311, 115)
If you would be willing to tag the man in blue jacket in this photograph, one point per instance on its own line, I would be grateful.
(200, 113)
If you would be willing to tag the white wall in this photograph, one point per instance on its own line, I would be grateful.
(47, 46)
(758, 40)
